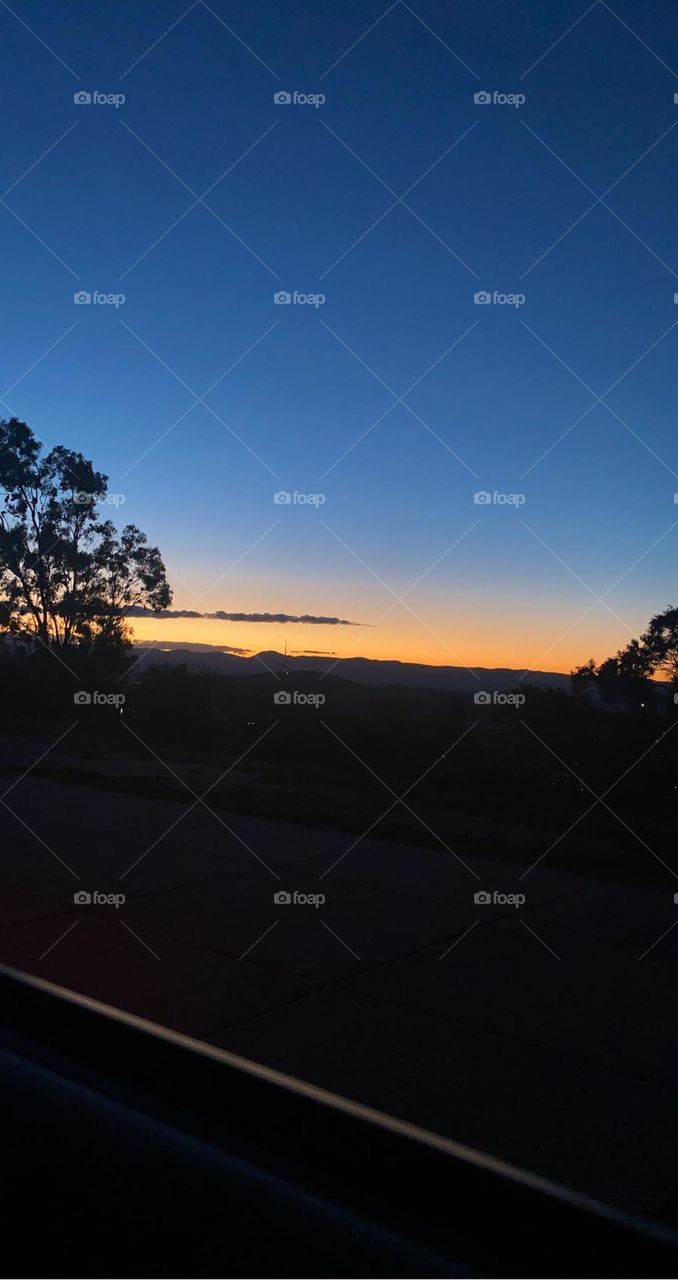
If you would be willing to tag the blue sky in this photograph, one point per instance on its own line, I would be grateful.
(299, 384)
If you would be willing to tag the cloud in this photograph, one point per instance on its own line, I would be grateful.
(192, 646)
(220, 616)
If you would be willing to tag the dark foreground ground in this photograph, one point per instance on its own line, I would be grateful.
(544, 1033)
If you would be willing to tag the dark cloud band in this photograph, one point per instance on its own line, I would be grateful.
(220, 616)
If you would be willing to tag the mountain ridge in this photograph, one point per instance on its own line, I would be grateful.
(375, 672)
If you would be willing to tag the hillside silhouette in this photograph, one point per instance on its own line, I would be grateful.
(369, 671)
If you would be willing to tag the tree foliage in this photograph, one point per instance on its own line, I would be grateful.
(661, 641)
(67, 577)
(626, 676)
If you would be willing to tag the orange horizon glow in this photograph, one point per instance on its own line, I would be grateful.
(544, 648)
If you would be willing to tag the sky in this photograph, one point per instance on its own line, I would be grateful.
(380, 198)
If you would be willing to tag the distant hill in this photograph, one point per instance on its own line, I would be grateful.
(368, 671)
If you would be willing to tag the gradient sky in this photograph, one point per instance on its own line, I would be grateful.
(492, 190)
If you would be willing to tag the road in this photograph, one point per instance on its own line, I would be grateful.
(544, 1032)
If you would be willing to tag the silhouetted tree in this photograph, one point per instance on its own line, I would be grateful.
(583, 678)
(624, 678)
(635, 661)
(67, 577)
(661, 643)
